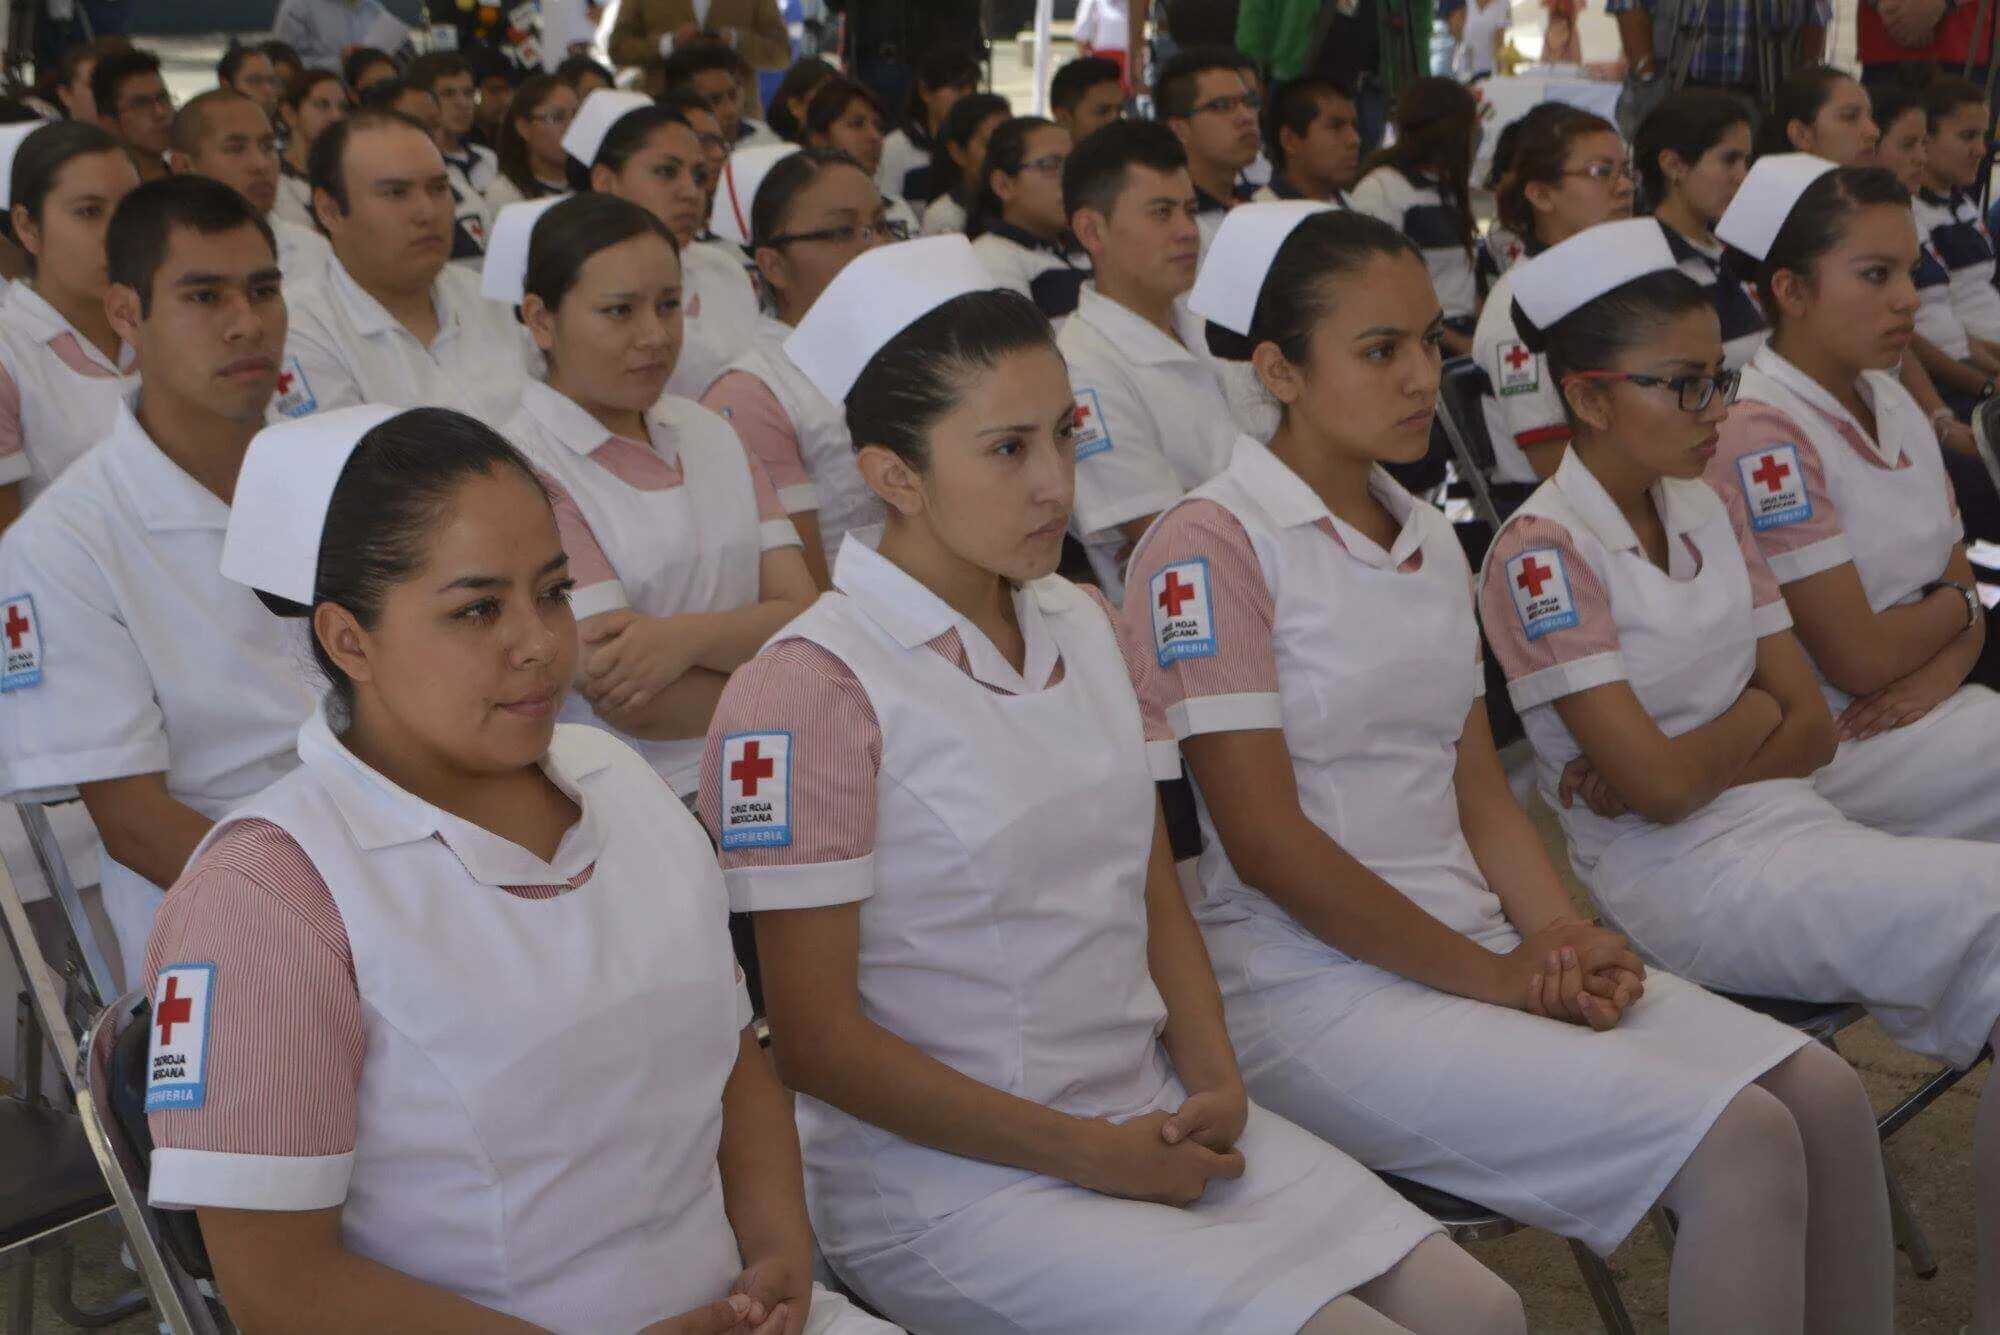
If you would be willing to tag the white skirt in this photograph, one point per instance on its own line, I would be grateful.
(1552, 1124)
(1770, 891)
(1939, 776)
(1303, 1225)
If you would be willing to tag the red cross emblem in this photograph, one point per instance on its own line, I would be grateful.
(1175, 593)
(751, 768)
(284, 382)
(1080, 416)
(16, 625)
(174, 1009)
(1518, 357)
(1770, 472)
(1533, 576)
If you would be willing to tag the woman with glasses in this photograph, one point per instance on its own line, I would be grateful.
(1832, 465)
(1692, 152)
(1568, 172)
(623, 144)
(811, 212)
(1402, 970)
(1018, 225)
(683, 558)
(532, 163)
(1677, 727)
(848, 118)
(313, 101)
(959, 166)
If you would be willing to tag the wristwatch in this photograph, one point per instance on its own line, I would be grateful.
(1964, 591)
(1986, 389)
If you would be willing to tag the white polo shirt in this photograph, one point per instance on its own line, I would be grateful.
(303, 253)
(345, 348)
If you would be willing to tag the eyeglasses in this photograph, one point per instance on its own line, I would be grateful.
(160, 101)
(1695, 392)
(1048, 162)
(866, 233)
(556, 118)
(1605, 171)
(1229, 104)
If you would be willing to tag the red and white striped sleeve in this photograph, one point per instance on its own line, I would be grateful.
(774, 527)
(274, 1080)
(1163, 754)
(598, 588)
(788, 781)
(1198, 622)
(1547, 614)
(1769, 613)
(772, 438)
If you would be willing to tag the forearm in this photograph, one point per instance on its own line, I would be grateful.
(1197, 1037)
(1797, 748)
(1515, 863)
(154, 836)
(676, 712)
(1946, 370)
(763, 1176)
(728, 640)
(1889, 645)
(1635, 35)
(1711, 758)
(1918, 382)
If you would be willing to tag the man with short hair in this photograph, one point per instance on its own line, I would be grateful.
(1087, 93)
(78, 64)
(134, 105)
(471, 215)
(391, 321)
(248, 70)
(717, 76)
(1153, 413)
(135, 673)
(1313, 136)
(1202, 97)
(323, 31)
(447, 76)
(224, 135)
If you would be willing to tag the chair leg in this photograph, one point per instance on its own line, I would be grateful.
(21, 1311)
(1910, 1239)
(1603, 1287)
(1665, 1228)
(62, 1294)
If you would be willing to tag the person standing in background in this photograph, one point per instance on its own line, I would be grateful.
(754, 29)
(1103, 29)
(322, 31)
(885, 38)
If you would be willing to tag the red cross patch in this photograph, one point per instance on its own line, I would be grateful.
(1516, 370)
(756, 807)
(177, 1049)
(1541, 592)
(1183, 618)
(295, 397)
(1774, 487)
(22, 628)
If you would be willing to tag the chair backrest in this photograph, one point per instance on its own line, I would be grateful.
(111, 1099)
(62, 885)
(1461, 395)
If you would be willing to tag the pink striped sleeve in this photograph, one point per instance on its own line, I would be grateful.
(1769, 612)
(285, 1046)
(1547, 614)
(1136, 654)
(749, 406)
(1768, 470)
(1198, 563)
(597, 585)
(797, 691)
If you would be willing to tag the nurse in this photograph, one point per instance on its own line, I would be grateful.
(1568, 173)
(1018, 228)
(683, 558)
(621, 144)
(847, 117)
(63, 367)
(313, 101)
(1019, 1107)
(1676, 723)
(1831, 465)
(811, 213)
(1393, 945)
(391, 1161)
(1692, 153)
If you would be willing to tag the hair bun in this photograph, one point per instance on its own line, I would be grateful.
(1533, 337)
(1738, 266)
(1228, 345)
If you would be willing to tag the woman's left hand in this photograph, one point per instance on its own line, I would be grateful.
(1212, 1118)
(1897, 705)
(783, 1284)
(633, 661)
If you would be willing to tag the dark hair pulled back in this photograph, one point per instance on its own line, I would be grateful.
(1596, 334)
(1006, 151)
(569, 233)
(1815, 226)
(625, 139)
(1299, 289)
(1540, 156)
(1801, 97)
(40, 160)
(771, 206)
(1687, 124)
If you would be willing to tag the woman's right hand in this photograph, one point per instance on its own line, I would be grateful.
(1575, 972)
(1132, 1159)
(724, 1316)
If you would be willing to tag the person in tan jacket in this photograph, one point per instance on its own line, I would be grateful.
(649, 28)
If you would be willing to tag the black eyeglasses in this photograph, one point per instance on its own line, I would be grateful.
(847, 235)
(1695, 392)
(1228, 103)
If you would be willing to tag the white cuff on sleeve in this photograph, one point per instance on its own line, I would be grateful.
(803, 496)
(776, 533)
(1771, 618)
(1811, 559)
(1224, 713)
(606, 596)
(183, 1179)
(810, 885)
(1553, 683)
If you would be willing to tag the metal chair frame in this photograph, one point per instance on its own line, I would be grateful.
(1472, 452)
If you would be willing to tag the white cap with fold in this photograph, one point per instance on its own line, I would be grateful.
(1575, 272)
(877, 296)
(506, 266)
(11, 137)
(1232, 273)
(594, 119)
(744, 171)
(282, 494)
(1766, 198)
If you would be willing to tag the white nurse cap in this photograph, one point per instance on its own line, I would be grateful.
(11, 137)
(1572, 273)
(741, 175)
(282, 495)
(1232, 274)
(506, 265)
(594, 119)
(1766, 198)
(877, 296)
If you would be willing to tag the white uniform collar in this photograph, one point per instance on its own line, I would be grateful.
(381, 815)
(913, 616)
(29, 310)
(165, 498)
(371, 318)
(1291, 503)
(1137, 339)
(1601, 515)
(1788, 376)
(569, 422)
